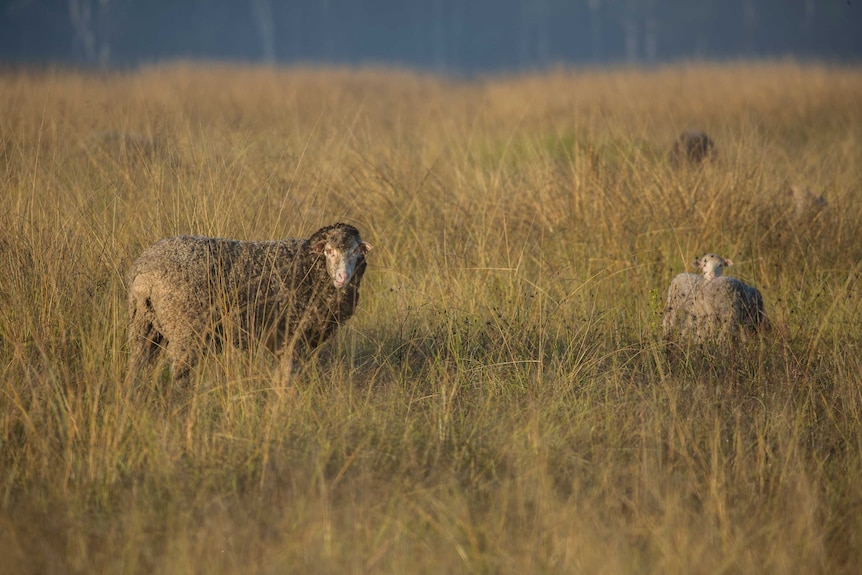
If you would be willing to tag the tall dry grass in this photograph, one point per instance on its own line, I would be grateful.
(501, 402)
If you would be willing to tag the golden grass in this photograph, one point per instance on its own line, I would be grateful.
(501, 402)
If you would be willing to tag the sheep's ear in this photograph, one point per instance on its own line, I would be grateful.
(696, 264)
(318, 247)
(365, 247)
(728, 262)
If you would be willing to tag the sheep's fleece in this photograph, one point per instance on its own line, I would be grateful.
(717, 310)
(190, 293)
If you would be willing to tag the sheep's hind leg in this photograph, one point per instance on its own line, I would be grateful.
(284, 375)
(183, 360)
(145, 345)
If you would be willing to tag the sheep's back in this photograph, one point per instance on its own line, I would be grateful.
(194, 277)
(198, 260)
(734, 298)
(709, 310)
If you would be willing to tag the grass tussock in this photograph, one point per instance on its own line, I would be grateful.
(502, 401)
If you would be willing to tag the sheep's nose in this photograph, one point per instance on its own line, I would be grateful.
(340, 278)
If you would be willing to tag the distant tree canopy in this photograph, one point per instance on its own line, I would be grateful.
(462, 36)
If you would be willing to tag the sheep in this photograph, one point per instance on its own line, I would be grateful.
(806, 204)
(129, 144)
(712, 308)
(692, 147)
(190, 293)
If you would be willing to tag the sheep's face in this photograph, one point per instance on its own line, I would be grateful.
(712, 265)
(343, 255)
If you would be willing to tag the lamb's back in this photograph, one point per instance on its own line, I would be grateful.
(731, 300)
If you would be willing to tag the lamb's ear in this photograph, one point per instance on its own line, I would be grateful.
(728, 262)
(365, 247)
(696, 264)
(318, 247)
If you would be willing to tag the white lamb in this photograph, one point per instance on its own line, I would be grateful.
(711, 307)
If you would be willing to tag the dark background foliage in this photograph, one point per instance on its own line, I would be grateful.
(459, 36)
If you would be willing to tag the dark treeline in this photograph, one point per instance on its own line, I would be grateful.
(451, 35)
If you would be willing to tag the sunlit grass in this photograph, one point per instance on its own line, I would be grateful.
(502, 400)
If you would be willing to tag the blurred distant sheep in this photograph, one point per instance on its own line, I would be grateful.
(190, 293)
(806, 204)
(711, 308)
(128, 144)
(691, 148)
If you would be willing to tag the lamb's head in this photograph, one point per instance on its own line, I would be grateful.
(344, 251)
(712, 265)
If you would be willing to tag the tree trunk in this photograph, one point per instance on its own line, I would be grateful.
(81, 14)
(650, 32)
(261, 10)
(630, 29)
(596, 30)
(749, 23)
(543, 40)
(91, 20)
(439, 39)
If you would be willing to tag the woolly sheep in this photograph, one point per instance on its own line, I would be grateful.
(189, 293)
(711, 307)
(692, 147)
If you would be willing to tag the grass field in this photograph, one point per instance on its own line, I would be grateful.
(502, 401)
